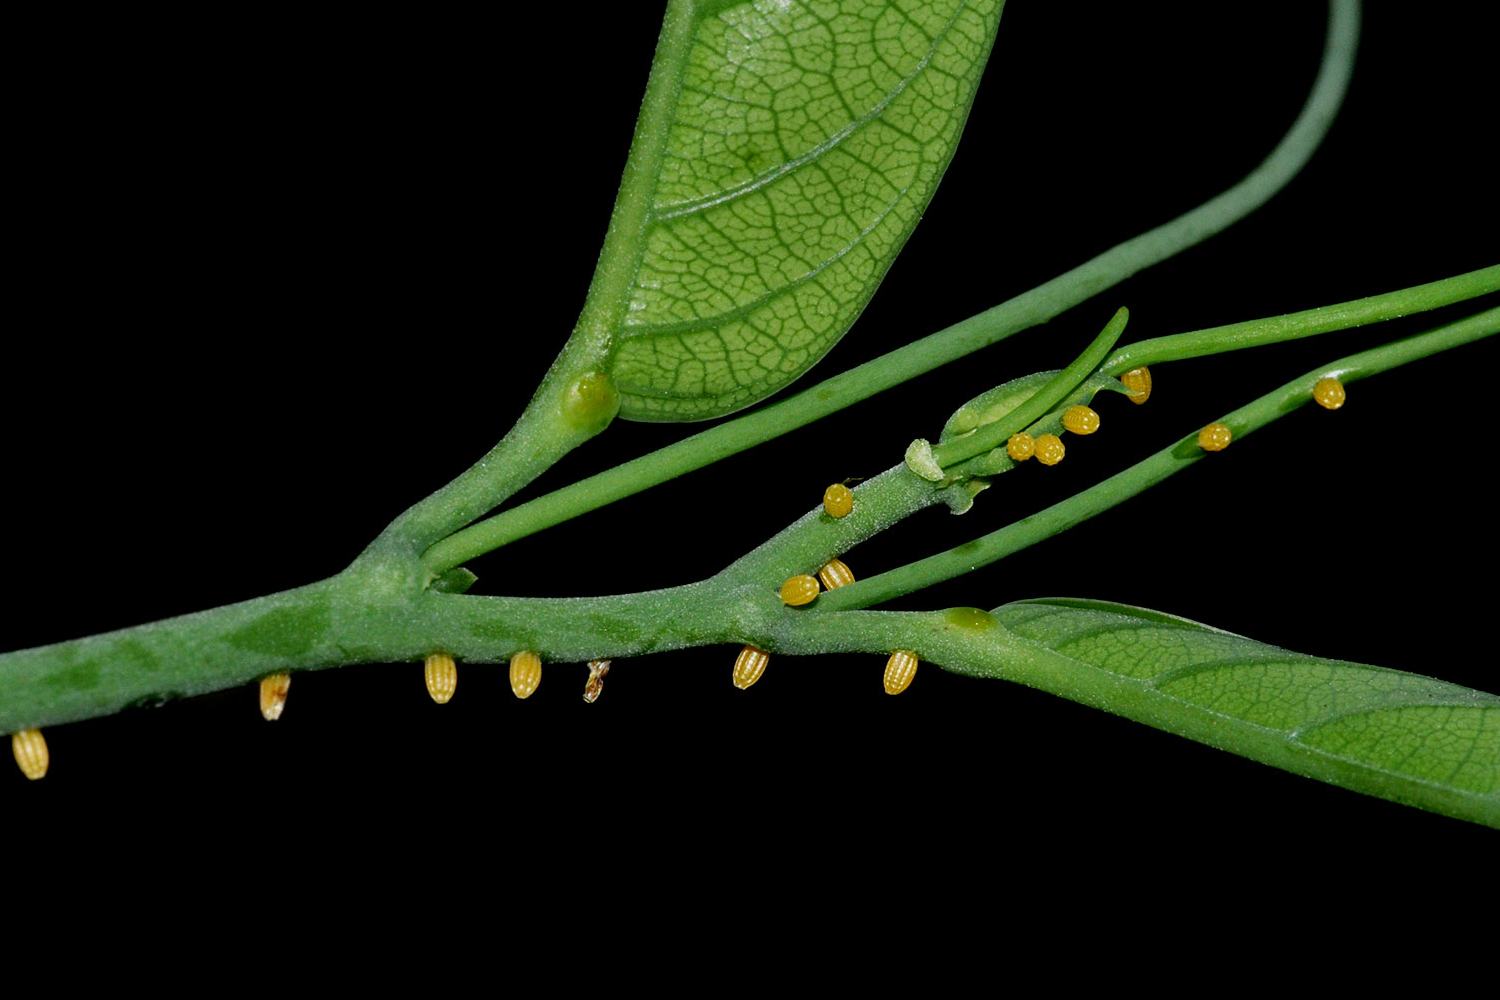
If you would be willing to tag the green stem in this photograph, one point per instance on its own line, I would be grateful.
(1120, 487)
(625, 241)
(1029, 309)
(323, 625)
(575, 400)
(995, 434)
(177, 658)
(809, 542)
(890, 497)
(341, 621)
(1308, 323)
(543, 434)
(351, 618)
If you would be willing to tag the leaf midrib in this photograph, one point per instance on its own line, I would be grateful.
(701, 204)
(741, 311)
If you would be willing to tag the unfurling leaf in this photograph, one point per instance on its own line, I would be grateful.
(990, 406)
(804, 142)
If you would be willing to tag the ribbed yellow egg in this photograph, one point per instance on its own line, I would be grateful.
(30, 750)
(441, 674)
(835, 575)
(1138, 380)
(525, 673)
(749, 665)
(838, 500)
(799, 590)
(899, 671)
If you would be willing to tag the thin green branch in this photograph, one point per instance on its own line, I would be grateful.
(542, 435)
(884, 500)
(1120, 487)
(814, 538)
(1308, 323)
(1029, 309)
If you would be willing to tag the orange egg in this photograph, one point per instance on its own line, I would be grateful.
(1049, 449)
(1214, 437)
(838, 500)
(1329, 392)
(1080, 420)
(1138, 380)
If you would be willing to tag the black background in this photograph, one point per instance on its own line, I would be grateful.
(292, 273)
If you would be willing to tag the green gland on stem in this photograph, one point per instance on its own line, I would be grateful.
(590, 402)
(970, 619)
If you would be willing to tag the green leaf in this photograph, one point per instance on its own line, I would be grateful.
(785, 153)
(1383, 732)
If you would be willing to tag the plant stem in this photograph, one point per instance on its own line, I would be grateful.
(1308, 323)
(539, 438)
(809, 542)
(1029, 309)
(624, 242)
(1078, 508)
(352, 618)
(710, 446)
(341, 621)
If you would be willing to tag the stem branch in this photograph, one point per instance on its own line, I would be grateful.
(1078, 508)
(1029, 309)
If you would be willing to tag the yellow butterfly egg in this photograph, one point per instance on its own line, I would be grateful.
(799, 590)
(30, 751)
(899, 670)
(1020, 447)
(1137, 380)
(838, 500)
(525, 673)
(1049, 449)
(441, 676)
(749, 665)
(1329, 392)
(1215, 437)
(835, 575)
(1080, 420)
(594, 686)
(273, 691)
